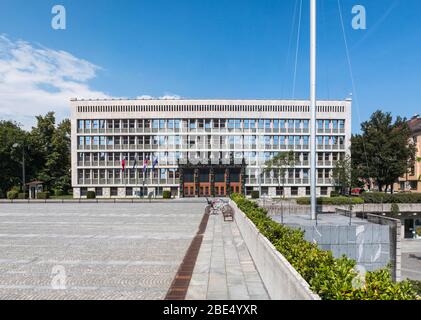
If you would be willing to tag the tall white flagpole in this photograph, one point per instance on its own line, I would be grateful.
(313, 47)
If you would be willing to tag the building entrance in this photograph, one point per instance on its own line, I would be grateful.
(212, 180)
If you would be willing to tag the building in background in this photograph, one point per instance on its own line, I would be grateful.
(411, 182)
(131, 148)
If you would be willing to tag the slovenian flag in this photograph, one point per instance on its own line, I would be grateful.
(145, 164)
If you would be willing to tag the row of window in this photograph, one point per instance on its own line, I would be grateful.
(207, 124)
(165, 157)
(165, 174)
(192, 141)
(130, 191)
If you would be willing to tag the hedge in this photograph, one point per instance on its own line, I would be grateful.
(378, 197)
(166, 194)
(43, 195)
(11, 195)
(23, 196)
(255, 194)
(91, 195)
(330, 278)
(337, 201)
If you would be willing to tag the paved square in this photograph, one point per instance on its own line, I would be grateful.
(107, 251)
(411, 259)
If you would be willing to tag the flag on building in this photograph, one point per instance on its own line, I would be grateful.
(145, 164)
(123, 164)
(155, 163)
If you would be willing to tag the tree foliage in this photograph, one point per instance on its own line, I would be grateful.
(47, 154)
(382, 152)
(279, 165)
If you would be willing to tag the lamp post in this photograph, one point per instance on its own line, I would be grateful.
(17, 145)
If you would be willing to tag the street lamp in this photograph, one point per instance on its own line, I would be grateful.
(17, 145)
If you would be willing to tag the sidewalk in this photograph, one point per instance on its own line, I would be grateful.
(224, 269)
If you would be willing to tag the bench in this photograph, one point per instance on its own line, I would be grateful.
(228, 213)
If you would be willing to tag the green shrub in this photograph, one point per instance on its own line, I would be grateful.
(166, 195)
(379, 197)
(395, 209)
(91, 195)
(11, 195)
(417, 286)
(23, 196)
(59, 193)
(336, 201)
(330, 278)
(43, 195)
(255, 194)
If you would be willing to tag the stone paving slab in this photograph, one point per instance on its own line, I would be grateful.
(411, 259)
(224, 269)
(107, 251)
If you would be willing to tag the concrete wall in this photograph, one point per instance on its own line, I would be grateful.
(282, 281)
(368, 244)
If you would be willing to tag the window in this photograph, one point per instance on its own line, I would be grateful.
(88, 124)
(323, 191)
(294, 191)
(308, 192)
(129, 192)
(95, 124)
(319, 124)
(83, 192)
(114, 192)
(306, 124)
(80, 124)
(341, 124)
(98, 192)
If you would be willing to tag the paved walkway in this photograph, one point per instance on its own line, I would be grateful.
(411, 259)
(93, 251)
(224, 269)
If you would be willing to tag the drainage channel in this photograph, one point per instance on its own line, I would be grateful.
(180, 285)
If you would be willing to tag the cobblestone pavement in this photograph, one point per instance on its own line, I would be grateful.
(102, 251)
(224, 269)
(411, 259)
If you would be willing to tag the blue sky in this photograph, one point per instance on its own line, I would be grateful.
(205, 49)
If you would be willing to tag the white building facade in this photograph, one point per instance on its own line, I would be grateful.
(202, 147)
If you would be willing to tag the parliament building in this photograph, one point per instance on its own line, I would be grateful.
(198, 148)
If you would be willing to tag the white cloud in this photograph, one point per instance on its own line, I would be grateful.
(35, 80)
(164, 97)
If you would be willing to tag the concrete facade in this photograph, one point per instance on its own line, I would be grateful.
(104, 132)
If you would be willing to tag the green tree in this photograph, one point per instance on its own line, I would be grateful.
(345, 175)
(382, 152)
(10, 158)
(51, 147)
(279, 165)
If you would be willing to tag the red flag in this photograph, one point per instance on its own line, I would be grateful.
(123, 164)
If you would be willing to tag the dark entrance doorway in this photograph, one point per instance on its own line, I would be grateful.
(212, 180)
(409, 228)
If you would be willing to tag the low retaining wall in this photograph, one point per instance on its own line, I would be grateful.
(282, 281)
